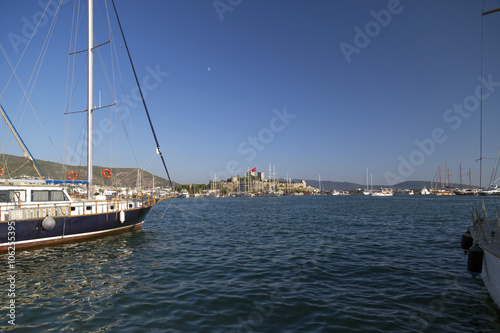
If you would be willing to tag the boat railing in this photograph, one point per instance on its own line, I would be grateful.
(16, 212)
(28, 213)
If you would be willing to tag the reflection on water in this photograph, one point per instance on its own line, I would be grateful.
(72, 283)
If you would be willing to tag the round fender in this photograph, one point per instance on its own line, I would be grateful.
(48, 223)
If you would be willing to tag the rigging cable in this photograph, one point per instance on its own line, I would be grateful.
(14, 73)
(25, 48)
(142, 96)
(39, 62)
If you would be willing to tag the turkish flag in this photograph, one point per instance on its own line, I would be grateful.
(254, 169)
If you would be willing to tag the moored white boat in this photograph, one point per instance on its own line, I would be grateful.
(482, 241)
(485, 233)
(491, 271)
(36, 213)
(383, 192)
(425, 191)
(493, 189)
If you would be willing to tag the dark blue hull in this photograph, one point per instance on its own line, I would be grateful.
(29, 233)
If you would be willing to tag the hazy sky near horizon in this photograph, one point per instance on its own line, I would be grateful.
(322, 87)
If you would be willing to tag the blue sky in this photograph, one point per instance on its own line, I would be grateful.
(324, 88)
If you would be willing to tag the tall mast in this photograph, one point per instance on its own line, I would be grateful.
(440, 181)
(367, 179)
(269, 182)
(470, 180)
(274, 178)
(449, 182)
(461, 176)
(90, 102)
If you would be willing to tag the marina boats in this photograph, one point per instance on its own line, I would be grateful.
(368, 190)
(214, 194)
(482, 239)
(40, 212)
(425, 191)
(404, 192)
(383, 192)
(214, 191)
(440, 192)
(444, 189)
(184, 194)
(468, 191)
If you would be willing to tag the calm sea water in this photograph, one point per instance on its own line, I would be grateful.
(291, 264)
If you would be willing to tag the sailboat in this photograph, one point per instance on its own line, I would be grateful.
(444, 189)
(367, 191)
(41, 212)
(214, 192)
(482, 240)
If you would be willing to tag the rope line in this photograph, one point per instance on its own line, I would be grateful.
(185, 211)
(142, 96)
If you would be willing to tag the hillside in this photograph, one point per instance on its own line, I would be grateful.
(20, 167)
(345, 186)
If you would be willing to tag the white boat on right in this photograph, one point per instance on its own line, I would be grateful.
(492, 189)
(482, 239)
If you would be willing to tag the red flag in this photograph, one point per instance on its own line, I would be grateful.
(254, 169)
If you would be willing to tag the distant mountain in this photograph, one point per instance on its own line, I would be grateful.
(346, 186)
(328, 185)
(20, 167)
(414, 184)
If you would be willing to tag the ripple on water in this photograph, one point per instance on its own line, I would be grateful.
(337, 264)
